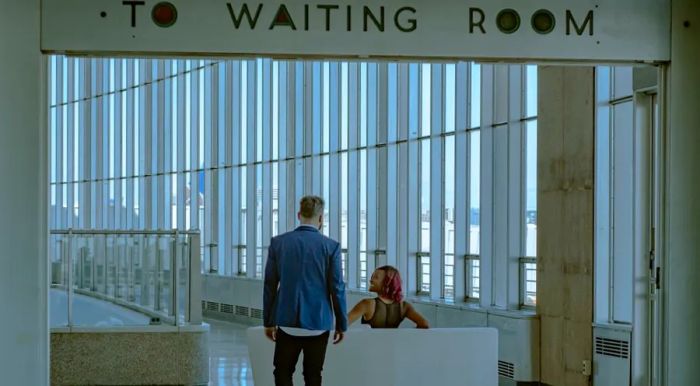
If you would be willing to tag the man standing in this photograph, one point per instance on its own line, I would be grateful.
(303, 291)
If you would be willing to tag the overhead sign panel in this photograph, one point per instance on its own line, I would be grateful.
(605, 30)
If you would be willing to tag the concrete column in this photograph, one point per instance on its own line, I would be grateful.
(23, 198)
(565, 222)
(682, 284)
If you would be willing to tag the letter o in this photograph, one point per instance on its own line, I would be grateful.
(543, 21)
(164, 14)
(508, 21)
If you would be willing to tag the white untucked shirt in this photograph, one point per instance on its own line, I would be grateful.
(295, 331)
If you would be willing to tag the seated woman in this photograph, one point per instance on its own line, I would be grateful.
(388, 309)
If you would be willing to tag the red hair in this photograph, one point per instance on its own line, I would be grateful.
(391, 288)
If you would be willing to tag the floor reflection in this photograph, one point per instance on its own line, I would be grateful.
(228, 355)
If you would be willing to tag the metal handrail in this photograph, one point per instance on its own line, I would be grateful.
(192, 291)
(169, 232)
(419, 273)
(213, 260)
(468, 275)
(522, 261)
(527, 260)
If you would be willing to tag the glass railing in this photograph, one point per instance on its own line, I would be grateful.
(151, 275)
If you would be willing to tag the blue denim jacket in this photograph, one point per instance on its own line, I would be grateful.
(304, 282)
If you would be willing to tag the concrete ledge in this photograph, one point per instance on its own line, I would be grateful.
(155, 328)
(129, 358)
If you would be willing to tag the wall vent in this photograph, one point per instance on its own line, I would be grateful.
(611, 355)
(241, 311)
(226, 308)
(506, 369)
(612, 347)
(213, 306)
(256, 313)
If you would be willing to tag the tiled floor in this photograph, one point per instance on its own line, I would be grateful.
(228, 355)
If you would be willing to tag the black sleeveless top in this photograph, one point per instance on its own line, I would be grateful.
(385, 315)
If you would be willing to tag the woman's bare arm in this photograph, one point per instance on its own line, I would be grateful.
(416, 317)
(357, 311)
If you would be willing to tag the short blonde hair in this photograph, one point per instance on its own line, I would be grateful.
(311, 206)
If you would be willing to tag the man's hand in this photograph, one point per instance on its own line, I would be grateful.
(271, 333)
(338, 336)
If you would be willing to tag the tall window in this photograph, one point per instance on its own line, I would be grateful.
(529, 262)
(449, 220)
(617, 166)
(403, 153)
(362, 284)
(472, 257)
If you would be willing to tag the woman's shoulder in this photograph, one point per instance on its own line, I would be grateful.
(368, 306)
(367, 302)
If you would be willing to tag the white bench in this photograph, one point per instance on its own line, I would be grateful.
(395, 357)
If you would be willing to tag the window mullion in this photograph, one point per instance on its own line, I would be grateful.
(60, 154)
(486, 234)
(159, 127)
(437, 181)
(224, 175)
(299, 102)
(233, 73)
(501, 188)
(165, 121)
(336, 185)
(353, 177)
(311, 136)
(391, 181)
(211, 156)
(251, 97)
(266, 157)
(194, 146)
(372, 173)
(516, 184)
(141, 109)
(285, 132)
(84, 152)
(95, 149)
(462, 178)
(70, 144)
(413, 172)
(131, 139)
(405, 211)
